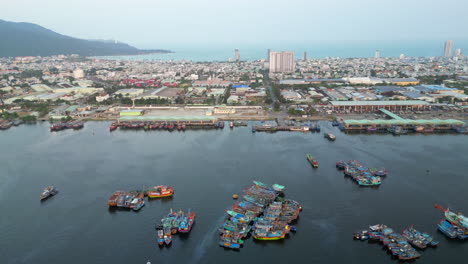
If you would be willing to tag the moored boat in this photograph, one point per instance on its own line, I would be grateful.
(114, 197)
(187, 222)
(231, 124)
(160, 234)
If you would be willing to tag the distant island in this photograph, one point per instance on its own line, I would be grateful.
(27, 39)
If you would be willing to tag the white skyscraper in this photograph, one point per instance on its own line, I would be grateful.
(282, 61)
(448, 48)
(268, 54)
(236, 55)
(377, 54)
(402, 56)
(458, 53)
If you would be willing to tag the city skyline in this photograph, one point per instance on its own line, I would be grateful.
(121, 24)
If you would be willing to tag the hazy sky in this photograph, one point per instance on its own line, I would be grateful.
(162, 23)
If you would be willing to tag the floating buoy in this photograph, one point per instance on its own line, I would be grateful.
(235, 196)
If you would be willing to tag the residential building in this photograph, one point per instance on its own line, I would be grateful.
(282, 61)
(448, 48)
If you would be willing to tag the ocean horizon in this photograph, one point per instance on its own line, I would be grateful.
(252, 52)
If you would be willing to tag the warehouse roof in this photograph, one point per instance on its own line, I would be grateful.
(405, 122)
(378, 103)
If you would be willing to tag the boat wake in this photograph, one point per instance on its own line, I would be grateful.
(206, 241)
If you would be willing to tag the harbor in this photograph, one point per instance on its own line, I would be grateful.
(88, 168)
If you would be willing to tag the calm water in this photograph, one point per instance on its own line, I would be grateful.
(318, 50)
(206, 168)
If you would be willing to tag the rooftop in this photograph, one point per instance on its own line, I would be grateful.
(378, 103)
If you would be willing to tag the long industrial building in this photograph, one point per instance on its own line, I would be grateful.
(371, 106)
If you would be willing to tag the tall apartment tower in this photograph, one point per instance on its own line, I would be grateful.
(377, 54)
(305, 55)
(448, 48)
(268, 54)
(458, 53)
(236, 55)
(282, 61)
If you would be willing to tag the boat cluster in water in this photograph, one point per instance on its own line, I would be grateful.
(169, 126)
(172, 224)
(400, 245)
(135, 200)
(263, 210)
(364, 176)
(454, 225)
(67, 125)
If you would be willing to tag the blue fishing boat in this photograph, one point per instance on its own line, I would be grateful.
(447, 228)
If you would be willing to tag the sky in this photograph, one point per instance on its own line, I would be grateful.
(165, 23)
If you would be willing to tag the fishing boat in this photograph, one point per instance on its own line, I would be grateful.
(330, 136)
(177, 218)
(221, 124)
(187, 222)
(335, 123)
(137, 203)
(160, 191)
(231, 125)
(454, 218)
(300, 129)
(170, 127)
(183, 127)
(160, 234)
(75, 125)
(447, 228)
(58, 126)
(312, 161)
(113, 127)
(114, 197)
(371, 129)
(48, 192)
(240, 123)
(419, 129)
(419, 239)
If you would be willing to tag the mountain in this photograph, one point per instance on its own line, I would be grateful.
(27, 39)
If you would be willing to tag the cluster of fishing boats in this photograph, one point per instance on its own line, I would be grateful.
(364, 176)
(454, 225)
(172, 224)
(263, 210)
(169, 126)
(135, 200)
(48, 192)
(400, 245)
(67, 125)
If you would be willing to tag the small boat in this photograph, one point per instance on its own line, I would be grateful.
(160, 191)
(335, 123)
(113, 127)
(231, 125)
(418, 239)
(58, 127)
(183, 127)
(170, 127)
(330, 136)
(312, 161)
(447, 228)
(240, 123)
(114, 198)
(160, 233)
(371, 129)
(187, 222)
(48, 192)
(221, 124)
(137, 203)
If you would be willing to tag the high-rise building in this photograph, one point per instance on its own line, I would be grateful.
(268, 54)
(282, 61)
(236, 55)
(448, 48)
(377, 54)
(305, 55)
(458, 53)
(402, 56)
